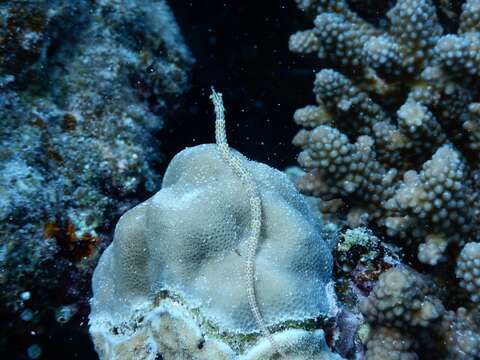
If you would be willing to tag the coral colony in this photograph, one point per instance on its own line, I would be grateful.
(393, 144)
(172, 280)
(370, 250)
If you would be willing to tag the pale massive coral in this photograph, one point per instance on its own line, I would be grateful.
(189, 242)
(394, 139)
(172, 330)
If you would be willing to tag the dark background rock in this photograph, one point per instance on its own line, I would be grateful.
(85, 87)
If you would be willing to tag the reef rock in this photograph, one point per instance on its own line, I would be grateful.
(80, 83)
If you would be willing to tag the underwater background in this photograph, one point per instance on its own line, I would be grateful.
(97, 97)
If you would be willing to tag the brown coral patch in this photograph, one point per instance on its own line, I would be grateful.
(71, 245)
(364, 278)
(31, 18)
(69, 122)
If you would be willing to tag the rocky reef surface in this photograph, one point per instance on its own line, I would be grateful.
(392, 144)
(84, 87)
(389, 149)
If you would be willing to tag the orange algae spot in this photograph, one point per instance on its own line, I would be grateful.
(72, 246)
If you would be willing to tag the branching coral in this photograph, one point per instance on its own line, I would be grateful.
(400, 95)
(402, 298)
(468, 270)
(389, 344)
(462, 334)
(394, 135)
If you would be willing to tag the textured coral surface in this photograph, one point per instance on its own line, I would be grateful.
(84, 86)
(190, 239)
(389, 142)
(393, 141)
(172, 330)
